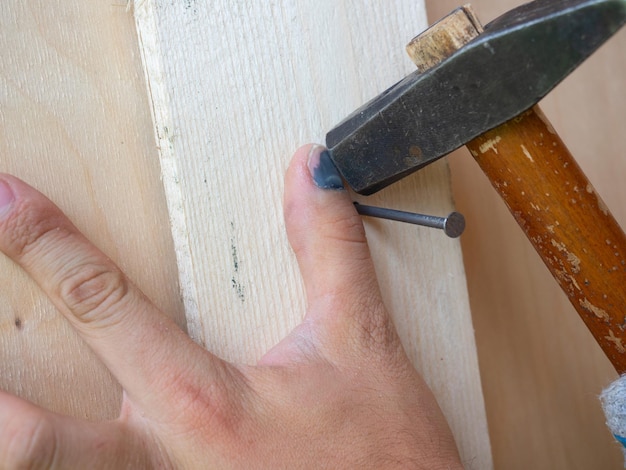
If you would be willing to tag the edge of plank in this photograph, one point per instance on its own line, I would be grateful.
(146, 21)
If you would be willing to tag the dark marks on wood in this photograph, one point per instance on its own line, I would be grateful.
(237, 286)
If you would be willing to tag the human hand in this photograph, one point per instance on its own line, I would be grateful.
(338, 392)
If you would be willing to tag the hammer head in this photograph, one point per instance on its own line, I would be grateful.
(519, 58)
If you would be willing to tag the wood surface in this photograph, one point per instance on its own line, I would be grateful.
(235, 87)
(75, 123)
(541, 369)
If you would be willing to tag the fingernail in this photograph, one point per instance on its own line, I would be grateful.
(323, 170)
(6, 198)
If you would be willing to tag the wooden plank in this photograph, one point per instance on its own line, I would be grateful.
(235, 87)
(542, 370)
(75, 123)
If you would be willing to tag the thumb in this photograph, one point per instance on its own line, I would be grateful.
(328, 238)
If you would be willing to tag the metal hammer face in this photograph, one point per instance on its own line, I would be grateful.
(519, 58)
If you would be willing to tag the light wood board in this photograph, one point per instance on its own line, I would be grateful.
(75, 123)
(235, 88)
(542, 370)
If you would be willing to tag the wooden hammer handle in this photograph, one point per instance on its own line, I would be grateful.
(565, 219)
(555, 205)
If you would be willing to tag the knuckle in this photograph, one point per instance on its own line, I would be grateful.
(346, 229)
(29, 444)
(28, 227)
(92, 291)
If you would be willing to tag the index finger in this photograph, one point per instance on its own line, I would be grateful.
(141, 346)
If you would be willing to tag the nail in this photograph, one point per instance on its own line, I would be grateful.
(6, 198)
(453, 225)
(323, 170)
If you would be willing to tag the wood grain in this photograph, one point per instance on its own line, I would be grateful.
(75, 123)
(540, 367)
(235, 87)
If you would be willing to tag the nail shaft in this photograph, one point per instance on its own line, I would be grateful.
(452, 225)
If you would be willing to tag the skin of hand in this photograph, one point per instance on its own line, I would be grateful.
(338, 392)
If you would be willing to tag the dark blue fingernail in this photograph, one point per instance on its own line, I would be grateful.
(323, 170)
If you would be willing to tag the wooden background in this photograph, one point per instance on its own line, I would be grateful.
(235, 87)
(541, 369)
(75, 122)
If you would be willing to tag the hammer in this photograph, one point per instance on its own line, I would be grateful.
(480, 88)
